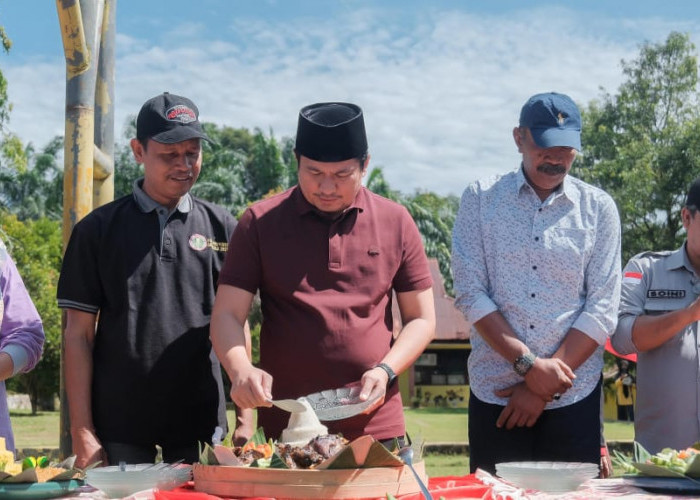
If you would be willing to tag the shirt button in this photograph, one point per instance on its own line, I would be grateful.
(539, 209)
(534, 267)
(532, 327)
(537, 238)
(533, 295)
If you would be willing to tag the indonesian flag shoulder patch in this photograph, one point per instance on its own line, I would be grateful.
(632, 277)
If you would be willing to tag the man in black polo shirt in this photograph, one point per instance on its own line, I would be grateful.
(138, 284)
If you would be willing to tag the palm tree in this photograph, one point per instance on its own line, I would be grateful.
(433, 214)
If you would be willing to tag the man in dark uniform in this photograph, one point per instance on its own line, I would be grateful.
(658, 320)
(326, 256)
(138, 284)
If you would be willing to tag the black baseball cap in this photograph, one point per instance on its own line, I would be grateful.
(331, 131)
(169, 118)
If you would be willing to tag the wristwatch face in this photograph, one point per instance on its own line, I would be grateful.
(522, 364)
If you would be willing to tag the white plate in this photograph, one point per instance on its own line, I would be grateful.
(337, 404)
(552, 477)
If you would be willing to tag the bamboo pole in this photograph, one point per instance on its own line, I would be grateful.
(78, 32)
(103, 187)
(84, 24)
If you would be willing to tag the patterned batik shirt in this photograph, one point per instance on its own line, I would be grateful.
(546, 266)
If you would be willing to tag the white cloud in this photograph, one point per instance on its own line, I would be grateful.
(37, 94)
(441, 90)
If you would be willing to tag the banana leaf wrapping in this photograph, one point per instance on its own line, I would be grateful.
(62, 471)
(363, 452)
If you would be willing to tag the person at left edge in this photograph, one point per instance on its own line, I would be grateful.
(326, 256)
(138, 284)
(21, 335)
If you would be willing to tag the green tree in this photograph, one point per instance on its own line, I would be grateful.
(377, 183)
(222, 168)
(5, 106)
(32, 182)
(290, 161)
(642, 145)
(36, 248)
(434, 215)
(126, 170)
(264, 170)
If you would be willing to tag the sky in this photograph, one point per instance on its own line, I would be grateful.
(441, 82)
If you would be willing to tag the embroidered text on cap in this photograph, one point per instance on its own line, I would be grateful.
(180, 113)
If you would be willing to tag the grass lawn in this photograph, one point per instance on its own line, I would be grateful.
(449, 425)
(618, 431)
(432, 425)
(437, 425)
(35, 431)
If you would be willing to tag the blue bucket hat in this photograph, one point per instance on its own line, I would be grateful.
(553, 119)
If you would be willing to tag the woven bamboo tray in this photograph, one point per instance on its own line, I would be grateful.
(371, 482)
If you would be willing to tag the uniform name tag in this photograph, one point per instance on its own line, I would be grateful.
(665, 294)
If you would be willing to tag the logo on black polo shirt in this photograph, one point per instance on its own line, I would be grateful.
(665, 294)
(198, 242)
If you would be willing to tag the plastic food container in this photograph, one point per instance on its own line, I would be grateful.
(121, 481)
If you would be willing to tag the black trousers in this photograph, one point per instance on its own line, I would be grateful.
(568, 434)
(625, 412)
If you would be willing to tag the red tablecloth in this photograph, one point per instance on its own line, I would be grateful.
(448, 487)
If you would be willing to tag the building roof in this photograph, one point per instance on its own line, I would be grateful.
(450, 324)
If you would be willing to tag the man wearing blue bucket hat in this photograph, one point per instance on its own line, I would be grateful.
(536, 262)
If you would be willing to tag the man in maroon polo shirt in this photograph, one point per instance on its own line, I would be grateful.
(325, 256)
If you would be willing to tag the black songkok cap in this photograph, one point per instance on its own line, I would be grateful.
(169, 118)
(693, 199)
(331, 131)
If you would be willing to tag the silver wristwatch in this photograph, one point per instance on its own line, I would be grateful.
(522, 364)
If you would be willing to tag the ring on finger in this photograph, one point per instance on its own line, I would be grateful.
(556, 396)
